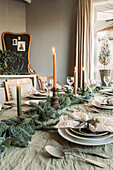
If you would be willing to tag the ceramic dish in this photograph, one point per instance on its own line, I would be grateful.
(34, 101)
(85, 132)
(36, 96)
(66, 136)
(88, 137)
(107, 91)
(106, 106)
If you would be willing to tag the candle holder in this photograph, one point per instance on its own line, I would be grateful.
(54, 99)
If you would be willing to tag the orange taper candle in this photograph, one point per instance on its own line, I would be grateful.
(75, 74)
(54, 68)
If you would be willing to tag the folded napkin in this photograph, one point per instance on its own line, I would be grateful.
(38, 93)
(99, 100)
(67, 121)
(101, 124)
(110, 101)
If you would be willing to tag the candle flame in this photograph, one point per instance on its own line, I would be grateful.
(75, 69)
(82, 68)
(53, 49)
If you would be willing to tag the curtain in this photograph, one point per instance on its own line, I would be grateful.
(83, 57)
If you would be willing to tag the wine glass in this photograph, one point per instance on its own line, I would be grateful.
(70, 80)
(107, 80)
(49, 85)
(92, 84)
(44, 83)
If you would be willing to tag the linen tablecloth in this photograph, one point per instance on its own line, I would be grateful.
(34, 157)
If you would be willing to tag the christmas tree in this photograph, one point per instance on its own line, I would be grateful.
(104, 56)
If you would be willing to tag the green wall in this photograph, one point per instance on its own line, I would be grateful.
(52, 23)
(12, 16)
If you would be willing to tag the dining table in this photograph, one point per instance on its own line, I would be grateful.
(35, 157)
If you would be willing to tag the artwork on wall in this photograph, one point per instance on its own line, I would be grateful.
(19, 43)
(14, 42)
(21, 46)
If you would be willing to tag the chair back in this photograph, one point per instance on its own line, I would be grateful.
(10, 87)
(41, 80)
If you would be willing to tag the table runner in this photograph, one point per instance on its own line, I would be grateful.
(34, 157)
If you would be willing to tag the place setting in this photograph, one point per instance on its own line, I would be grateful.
(91, 132)
(101, 102)
(37, 95)
(82, 130)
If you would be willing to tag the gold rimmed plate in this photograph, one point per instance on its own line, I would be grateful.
(79, 141)
(92, 138)
(87, 133)
(102, 106)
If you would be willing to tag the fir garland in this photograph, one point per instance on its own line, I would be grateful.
(18, 131)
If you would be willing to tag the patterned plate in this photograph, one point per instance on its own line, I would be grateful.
(87, 137)
(86, 132)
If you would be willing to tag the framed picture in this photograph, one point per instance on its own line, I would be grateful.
(21, 46)
(14, 42)
(23, 41)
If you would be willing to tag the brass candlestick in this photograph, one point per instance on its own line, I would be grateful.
(54, 99)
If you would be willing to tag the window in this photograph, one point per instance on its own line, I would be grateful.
(103, 36)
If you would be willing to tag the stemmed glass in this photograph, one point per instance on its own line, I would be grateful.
(107, 80)
(44, 84)
(70, 80)
(92, 84)
(49, 85)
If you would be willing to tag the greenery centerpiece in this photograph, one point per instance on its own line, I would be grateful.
(8, 62)
(104, 59)
(18, 131)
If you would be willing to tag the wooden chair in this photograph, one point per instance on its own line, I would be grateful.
(41, 79)
(10, 87)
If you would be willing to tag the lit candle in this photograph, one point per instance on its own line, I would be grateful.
(19, 111)
(83, 78)
(54, 68)
(75, 73)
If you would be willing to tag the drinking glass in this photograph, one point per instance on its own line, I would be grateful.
(70, 80)
(49, 85)
(92, 84)
(107, 80)
(44, 83)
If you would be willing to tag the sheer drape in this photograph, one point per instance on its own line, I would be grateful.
(84, 39)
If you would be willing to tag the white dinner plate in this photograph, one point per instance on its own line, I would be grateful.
(107, 91)
(87, 137)
(101, 106)
(36, 97)
(66, 136)
(34, 101)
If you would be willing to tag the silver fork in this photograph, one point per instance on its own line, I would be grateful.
(65, 149)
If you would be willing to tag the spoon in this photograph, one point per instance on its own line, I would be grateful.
(60, 154)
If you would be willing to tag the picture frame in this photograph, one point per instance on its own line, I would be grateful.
(21, 46)
(23, 41)
(14, 42)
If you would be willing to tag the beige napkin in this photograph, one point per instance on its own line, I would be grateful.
(102, 124)
(38, 93)
(67, 121)
(99, 100)
(110, 101)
